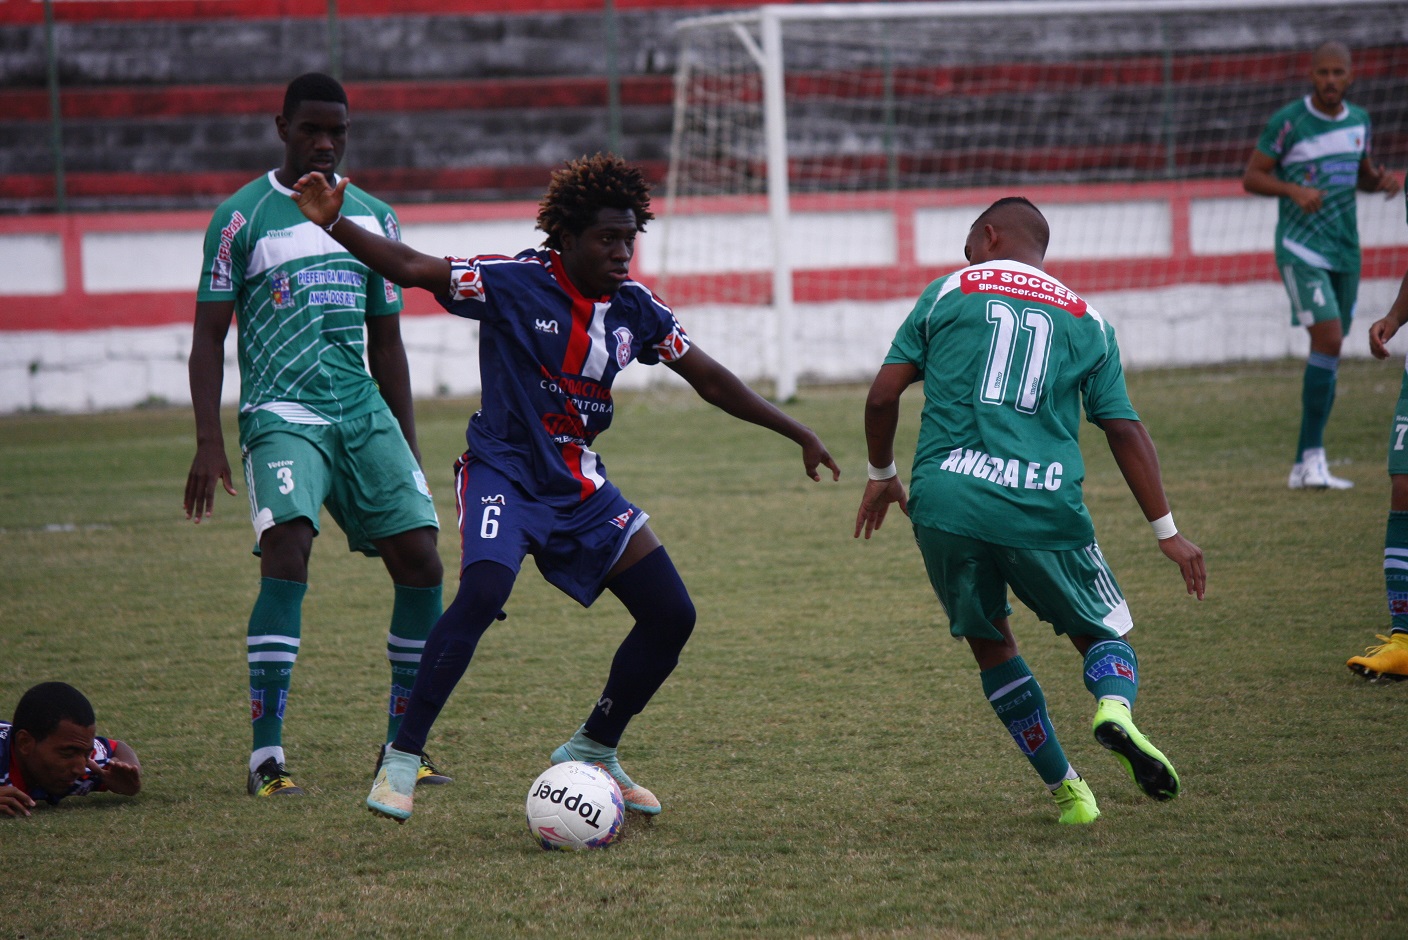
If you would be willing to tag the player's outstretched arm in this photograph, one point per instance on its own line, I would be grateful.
(207, 376)
(882, 417)
(721, 388)
(1134, 452)
(393, 260)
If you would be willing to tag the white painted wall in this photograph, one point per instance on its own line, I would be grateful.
(838, 342)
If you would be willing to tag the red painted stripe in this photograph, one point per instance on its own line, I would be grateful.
(218, 184)
(128, 103)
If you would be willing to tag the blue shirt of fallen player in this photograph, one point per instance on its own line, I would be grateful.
(547, 358)
(87, 782)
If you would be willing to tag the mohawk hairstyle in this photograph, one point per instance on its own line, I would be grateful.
(312, 86)
(585, 186)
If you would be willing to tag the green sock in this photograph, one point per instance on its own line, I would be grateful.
(1317, 396)
(412, 616)
(272, 641)
(1396, 569)
(1016, 696)
(1112, 671)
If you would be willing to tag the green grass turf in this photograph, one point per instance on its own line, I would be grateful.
(826, 759)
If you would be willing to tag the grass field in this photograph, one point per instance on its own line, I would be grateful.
(827, 762)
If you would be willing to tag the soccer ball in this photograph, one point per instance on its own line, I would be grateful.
(575, 805)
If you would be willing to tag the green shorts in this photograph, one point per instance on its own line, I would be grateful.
(362, 470)
(1318, 295)
(1072, 590)
(1398, 434)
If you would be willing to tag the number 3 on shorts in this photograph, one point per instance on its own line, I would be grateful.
(285, 475)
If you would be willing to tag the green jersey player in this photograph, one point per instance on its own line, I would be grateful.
(1389, 660)
(316, 429)
(1007, 355)
(1313, 155)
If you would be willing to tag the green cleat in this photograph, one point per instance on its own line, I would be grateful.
(1146, 764)
(394, 789)
(634, 795)
(1076, 801)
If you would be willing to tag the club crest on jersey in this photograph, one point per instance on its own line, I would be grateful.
(1110, 665)
(623, 346)
(393, 231)
(1029, 733)
(280, 290)
(256, 704)
(545, 326)
(623, 520)
(496, 500)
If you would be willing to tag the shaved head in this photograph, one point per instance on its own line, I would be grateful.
(1333, 51)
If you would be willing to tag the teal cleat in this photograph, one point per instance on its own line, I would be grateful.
(394, 789)
(1076, 801)
(1146, 764)
(581, 748)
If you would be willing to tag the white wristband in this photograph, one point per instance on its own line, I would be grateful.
(880, 474)
(1164, 527)
(328, 228)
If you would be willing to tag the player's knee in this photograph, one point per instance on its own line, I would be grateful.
(484, 589)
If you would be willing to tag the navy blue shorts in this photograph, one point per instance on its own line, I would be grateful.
(574, 548)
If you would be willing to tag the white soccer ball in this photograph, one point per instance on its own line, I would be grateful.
(575, 805)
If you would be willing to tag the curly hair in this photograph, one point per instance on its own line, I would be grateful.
(585, 186)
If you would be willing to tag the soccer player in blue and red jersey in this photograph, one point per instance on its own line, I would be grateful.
(556, 326)
(51, 749)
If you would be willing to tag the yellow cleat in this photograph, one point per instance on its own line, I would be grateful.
(1385, 663)
(1076, 801)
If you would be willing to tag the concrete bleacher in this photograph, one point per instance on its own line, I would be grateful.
(455, 106)
(467, 106)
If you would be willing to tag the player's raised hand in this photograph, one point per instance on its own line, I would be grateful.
(321, 203)
(118, 776)
(209, 467)
(875, 504)
(1189, 559)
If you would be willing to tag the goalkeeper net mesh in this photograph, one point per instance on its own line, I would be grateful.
(1128, 124)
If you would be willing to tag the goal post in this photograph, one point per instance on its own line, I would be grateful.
(826, 160)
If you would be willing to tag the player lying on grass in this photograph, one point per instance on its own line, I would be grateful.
(557, 325)
(50, 749)
(1007, 354)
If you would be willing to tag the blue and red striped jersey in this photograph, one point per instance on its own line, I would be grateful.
(547, 358)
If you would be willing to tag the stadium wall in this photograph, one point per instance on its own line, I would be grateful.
(95, 310)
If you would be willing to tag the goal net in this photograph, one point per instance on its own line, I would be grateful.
(827, 160)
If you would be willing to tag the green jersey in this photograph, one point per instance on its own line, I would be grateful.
(1312, 149)
(301, 301)
(1007, 353)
